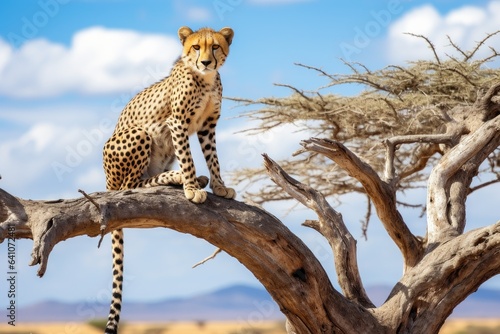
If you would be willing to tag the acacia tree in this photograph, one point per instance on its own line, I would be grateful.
(432, 123)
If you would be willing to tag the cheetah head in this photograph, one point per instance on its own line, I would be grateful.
(205, 50)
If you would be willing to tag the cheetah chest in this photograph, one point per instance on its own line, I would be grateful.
(208, 108)
(197, 111)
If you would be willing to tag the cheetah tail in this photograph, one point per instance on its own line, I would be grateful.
(116, 301)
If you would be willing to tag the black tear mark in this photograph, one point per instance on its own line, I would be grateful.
(300, 274)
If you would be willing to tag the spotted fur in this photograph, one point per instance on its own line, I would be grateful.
(154, 128)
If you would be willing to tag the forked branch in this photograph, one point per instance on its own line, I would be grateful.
(473, 147)
(393, 142)
(331, 226)
(381, 193)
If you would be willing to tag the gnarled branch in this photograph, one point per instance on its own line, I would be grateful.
(440, 199)
(277, 258)
(427, 294)
(380, 192)
(331, 226)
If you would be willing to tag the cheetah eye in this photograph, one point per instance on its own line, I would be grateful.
(196, 47)
(215, 47)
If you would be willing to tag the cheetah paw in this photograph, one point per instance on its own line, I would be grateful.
(195, 195)
(223, 191)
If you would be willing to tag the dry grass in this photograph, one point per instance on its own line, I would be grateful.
(150, 328)
(453, 326)
(471, 326)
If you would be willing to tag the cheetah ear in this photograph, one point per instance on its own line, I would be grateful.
(228, 34)
(183, 33)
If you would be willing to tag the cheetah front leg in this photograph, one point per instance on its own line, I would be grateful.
(206, 137)
(180, 139)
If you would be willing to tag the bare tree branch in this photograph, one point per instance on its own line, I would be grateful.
(392, 142)
(456, 47)
(483, 185)
(431, 45)
(331, 226)
(480, 44)
(381, 194)
(438, 201)
(281, 262)
(214, 254)
(442, 280)
(366, 221)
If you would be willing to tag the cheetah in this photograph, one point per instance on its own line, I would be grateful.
(154, 128)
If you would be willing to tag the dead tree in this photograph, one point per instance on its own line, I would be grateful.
(437, 122)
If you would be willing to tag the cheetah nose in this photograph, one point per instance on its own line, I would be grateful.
(206, 62)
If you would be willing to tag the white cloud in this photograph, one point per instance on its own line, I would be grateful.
(465, 26)
(91, 180)
(5, 54)
(466, 16)
(198, 14)
(26, 160)
(99, 60)
(40, 136)
(245, 150)
(51, 151)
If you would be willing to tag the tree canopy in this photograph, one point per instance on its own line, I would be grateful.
(411, 107)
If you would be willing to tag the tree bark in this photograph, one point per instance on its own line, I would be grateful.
(277, 258)
(382, 194)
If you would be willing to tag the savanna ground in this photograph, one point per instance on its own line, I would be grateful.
(453, 326)
(272, 327)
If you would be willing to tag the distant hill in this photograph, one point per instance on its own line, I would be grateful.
(237, 302)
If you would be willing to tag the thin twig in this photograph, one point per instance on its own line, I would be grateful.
(431, 46)
(90, 199)
(102, 211)
(366, 222)
(409, 205)
(482, 185)
(454, 70)
(466, 56)
(480, 43)
(217, 251)
(317, 70)
(301, 93)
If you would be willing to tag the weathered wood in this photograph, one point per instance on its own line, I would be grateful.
(279, 260)
(427, 294)
(332, 227)
(381, 193)
(444, 197)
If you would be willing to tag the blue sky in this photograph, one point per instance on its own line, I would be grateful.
(67, 68)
